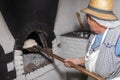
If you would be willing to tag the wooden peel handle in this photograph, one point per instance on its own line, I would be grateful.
(79, 68)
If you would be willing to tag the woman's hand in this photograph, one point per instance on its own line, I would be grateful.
(76, 61)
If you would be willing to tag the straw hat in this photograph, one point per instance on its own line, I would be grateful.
(102, 9)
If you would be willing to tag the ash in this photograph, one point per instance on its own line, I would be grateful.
(33, 61)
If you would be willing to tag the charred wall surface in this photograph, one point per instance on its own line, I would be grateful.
(26, 16)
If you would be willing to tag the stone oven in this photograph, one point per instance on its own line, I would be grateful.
(30, 19)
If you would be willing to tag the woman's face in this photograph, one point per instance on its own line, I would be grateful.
(94, 26)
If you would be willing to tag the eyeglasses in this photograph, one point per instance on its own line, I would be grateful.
(88, 16)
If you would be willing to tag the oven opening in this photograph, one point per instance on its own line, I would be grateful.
(35, 60)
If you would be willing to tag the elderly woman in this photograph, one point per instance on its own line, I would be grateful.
(103, 56)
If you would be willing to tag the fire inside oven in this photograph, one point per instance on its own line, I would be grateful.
(33, 60)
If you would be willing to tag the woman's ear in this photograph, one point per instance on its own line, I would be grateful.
(88, 19)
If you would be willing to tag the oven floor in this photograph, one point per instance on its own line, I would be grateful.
(33, 62)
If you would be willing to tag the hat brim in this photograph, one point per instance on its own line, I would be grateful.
(99, 15)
